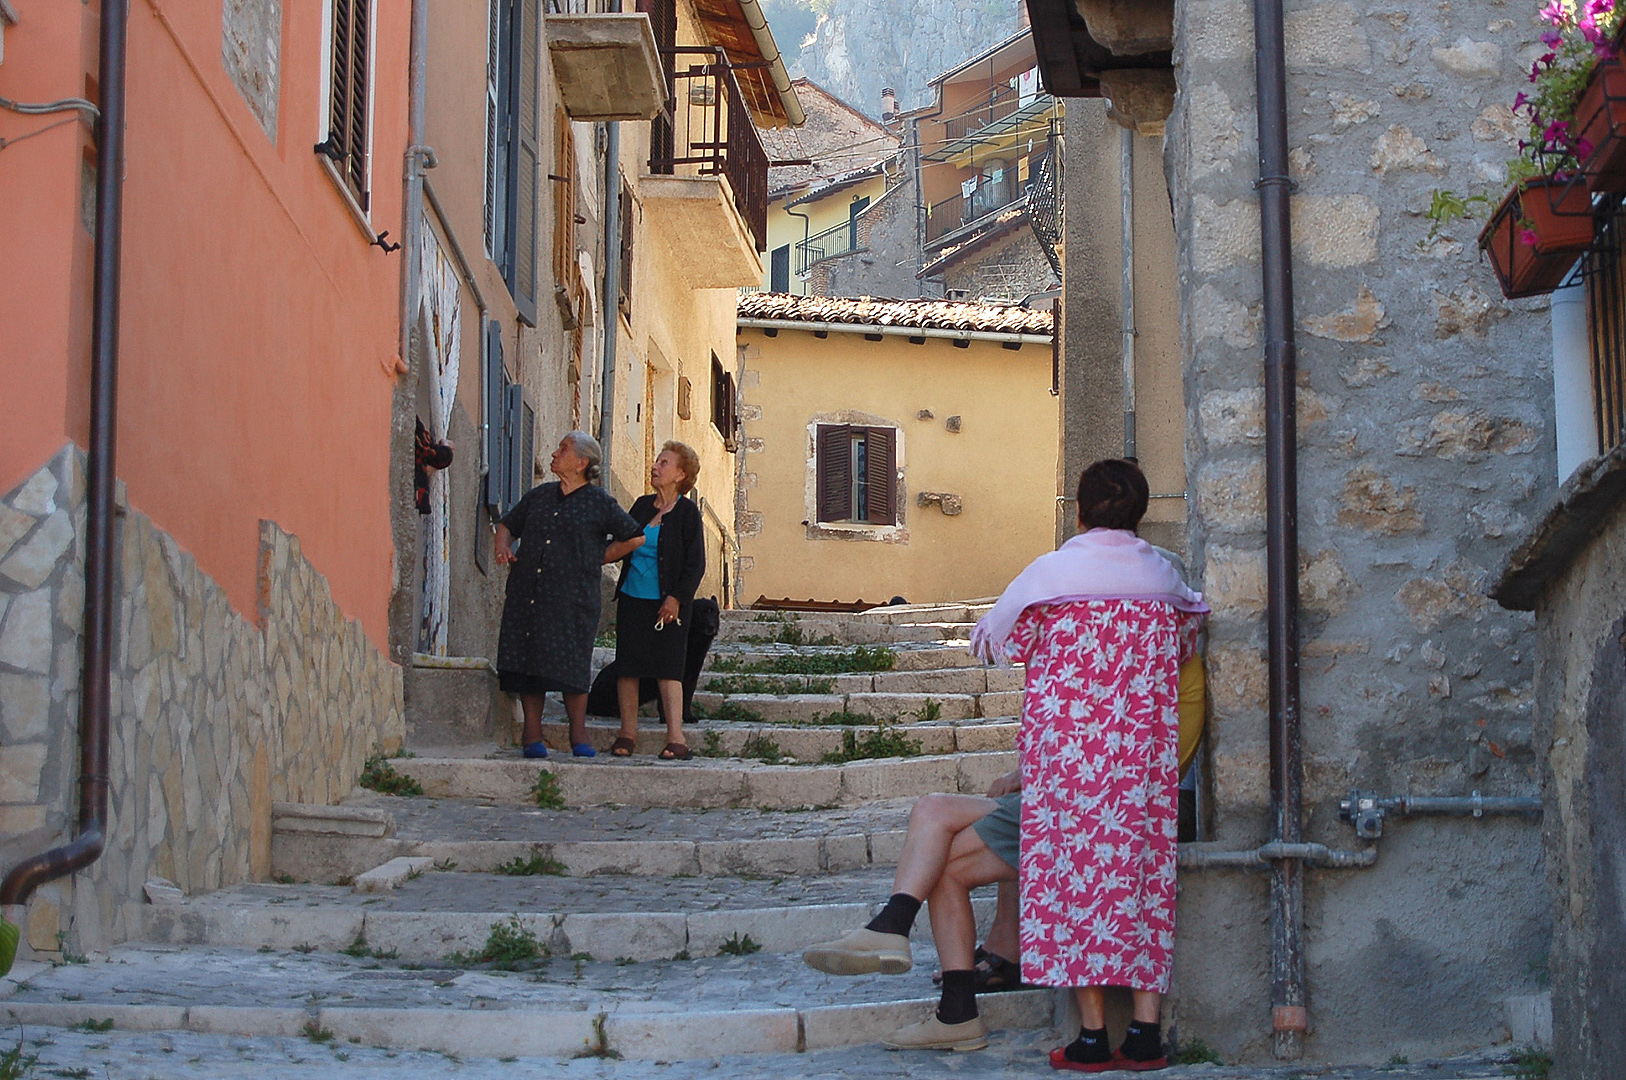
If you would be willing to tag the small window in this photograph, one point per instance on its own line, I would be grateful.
(857, 474)
(628, 208)
(779, 269)
(723, 411)
(349, 111)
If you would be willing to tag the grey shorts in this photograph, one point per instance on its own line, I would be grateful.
(1001, 828)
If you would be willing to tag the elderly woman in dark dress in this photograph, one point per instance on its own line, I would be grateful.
(551, 612)
(654, 598)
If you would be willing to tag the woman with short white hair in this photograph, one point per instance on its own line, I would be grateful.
(550, 616)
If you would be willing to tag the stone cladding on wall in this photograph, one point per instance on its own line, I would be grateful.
(1425, 443)
(214, 717)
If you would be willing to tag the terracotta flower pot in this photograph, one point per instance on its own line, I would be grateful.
(1536, 234)
(1600, 120)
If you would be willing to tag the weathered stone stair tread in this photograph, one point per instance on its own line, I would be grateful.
(670, 1010)
(609, 840)
(702, 783)
(607, 917)
(802, 742)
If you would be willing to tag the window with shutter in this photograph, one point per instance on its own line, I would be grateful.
(563, 181)
(351, 52)
(724, 411)
(519, 469)
(496, 420)
(527, 157)
(856, 473)
(496, 155)
(627, 225)
(779, 269)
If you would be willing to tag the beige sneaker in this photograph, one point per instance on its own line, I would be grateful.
(932, 1034)
(862, 952)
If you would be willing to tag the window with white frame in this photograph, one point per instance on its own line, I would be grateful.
(347, 96)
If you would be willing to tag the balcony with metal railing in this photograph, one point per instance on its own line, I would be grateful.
(957, 211)
(704, 149)
(838, 240)
(1002, 119)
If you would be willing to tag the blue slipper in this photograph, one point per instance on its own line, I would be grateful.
(581, 749)
(535, 750)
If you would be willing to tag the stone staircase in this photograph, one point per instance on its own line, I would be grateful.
(633, 907)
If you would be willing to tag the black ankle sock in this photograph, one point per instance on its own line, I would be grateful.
(1143, 1042)
(1090, 1048)
(959, 1002)
(898, 917)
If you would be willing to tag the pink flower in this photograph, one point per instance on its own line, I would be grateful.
(1552, 39)
(1603, 50)
(1519, 101)
(1590, 31)
(1528, 237)
(1555, 13)
(1556, 132)
(1582, 148)
(1595, 8)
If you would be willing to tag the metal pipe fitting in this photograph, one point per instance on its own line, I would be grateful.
(1366, 810)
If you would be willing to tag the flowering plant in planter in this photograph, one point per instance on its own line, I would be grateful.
(1568, 82)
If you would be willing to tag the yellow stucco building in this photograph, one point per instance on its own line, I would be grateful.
(893, 448)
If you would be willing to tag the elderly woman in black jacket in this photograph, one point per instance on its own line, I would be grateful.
(658, 582)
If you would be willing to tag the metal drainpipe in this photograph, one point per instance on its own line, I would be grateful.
(1289, 1013)
(1127, 167)
(101, 552)
(612, 291)
(418, 158)
(807, 226)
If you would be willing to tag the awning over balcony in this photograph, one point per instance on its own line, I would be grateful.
(739, 28)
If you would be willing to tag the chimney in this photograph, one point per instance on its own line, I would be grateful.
(889, 104)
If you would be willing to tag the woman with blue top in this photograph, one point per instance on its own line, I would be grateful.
(658, 582)
(567, 530)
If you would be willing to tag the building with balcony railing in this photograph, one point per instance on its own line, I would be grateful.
(979, 150)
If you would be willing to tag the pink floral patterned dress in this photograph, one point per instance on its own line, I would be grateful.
(1098, 744)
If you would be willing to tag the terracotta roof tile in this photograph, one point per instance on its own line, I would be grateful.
(879, 311)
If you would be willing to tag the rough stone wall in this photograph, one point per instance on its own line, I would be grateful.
(1009, 268)
(1581, 714)
(887, 257)
(251, 49)
(1425, 441)
(213, 717)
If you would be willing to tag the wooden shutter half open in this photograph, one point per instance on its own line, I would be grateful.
(518, 469)
(833, 468)
(496, 409)
(347, 96)
(881, 468)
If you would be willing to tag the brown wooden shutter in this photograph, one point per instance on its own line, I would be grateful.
(833, 466)
(564, 202)
(528, 173)
(881, 472)
(347, 99)
(627, 207)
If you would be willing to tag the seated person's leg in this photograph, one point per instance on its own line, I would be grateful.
(883, 945)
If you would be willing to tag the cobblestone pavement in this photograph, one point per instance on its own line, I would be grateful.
(467, 819)
(117, 1055)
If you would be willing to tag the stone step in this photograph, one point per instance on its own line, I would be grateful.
(704, 783)
(801, 743)
(844, 631)
(439, 914)
(946, 680)
(905, 656)
(671, 1010)
(479, 836)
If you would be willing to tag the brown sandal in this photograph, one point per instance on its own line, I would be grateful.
(623, 747)
(676, 751)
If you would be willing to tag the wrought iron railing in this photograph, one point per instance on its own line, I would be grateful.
(958, 210)
(1002, 101)
(707, 131)
(587, 7)
(1044, 205)
(839, 240)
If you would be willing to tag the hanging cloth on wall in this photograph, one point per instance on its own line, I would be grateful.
(440, 324)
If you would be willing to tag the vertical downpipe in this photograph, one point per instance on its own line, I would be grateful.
(1127, 185)
(1289, 1013)
(101, 550)
(611, 291)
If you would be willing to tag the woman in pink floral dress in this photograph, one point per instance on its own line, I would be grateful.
(1102, 625)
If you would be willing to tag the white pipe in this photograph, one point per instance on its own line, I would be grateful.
(893, 331)
(1127, 172)
(1573, 409)
(758, 22)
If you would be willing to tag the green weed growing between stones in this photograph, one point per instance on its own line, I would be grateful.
(316, 1033)
(731, 713)
(16, 1063)
(362, 951)
(711, 745)
(380, 776)
(600, 1046)
(508, 946)
(546, 791)
(94, 1026)
(770, 684)
(847, 719)
(1195, 1052)
(883, 742)
(762, 748)
(537, 865)
(738, 946)
(1530, 1063)
(929, 713)
(65, 954)
(859, 659)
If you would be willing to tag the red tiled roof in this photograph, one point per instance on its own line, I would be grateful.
(878, 311)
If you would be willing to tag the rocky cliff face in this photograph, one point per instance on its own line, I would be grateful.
(858, 48)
